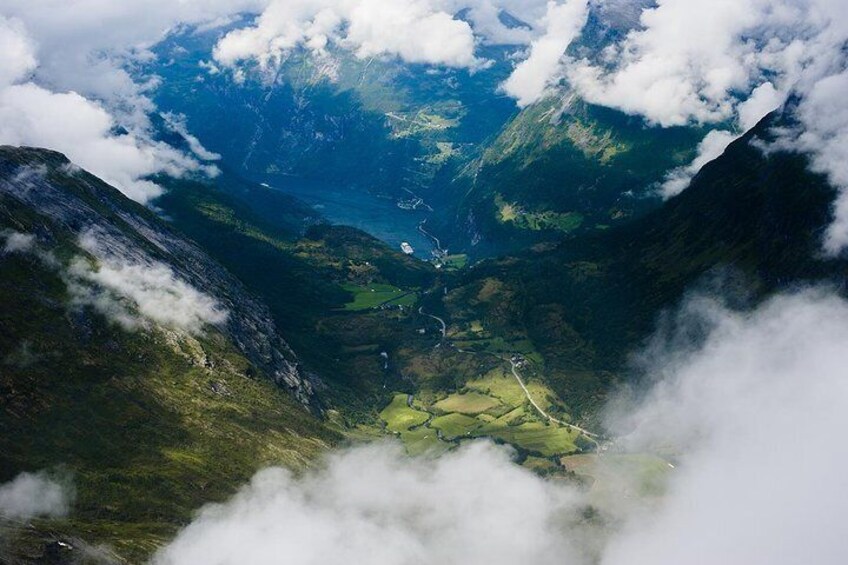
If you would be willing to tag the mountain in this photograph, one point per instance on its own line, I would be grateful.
(367, 319)
(133, 361)
(559, 168)
(315, 277)
(750, 224)
(161, 356)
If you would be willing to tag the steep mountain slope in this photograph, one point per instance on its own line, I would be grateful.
(561, 167)
(316, 281)
(132, 362)
(750, 223)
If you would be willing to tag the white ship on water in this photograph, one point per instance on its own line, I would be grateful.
(406, 248)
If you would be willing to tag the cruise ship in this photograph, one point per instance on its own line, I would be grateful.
(406, 248)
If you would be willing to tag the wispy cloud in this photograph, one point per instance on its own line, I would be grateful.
(533, 76)
(17, 242)
(131, 293)
(417, 31)
(31, 495)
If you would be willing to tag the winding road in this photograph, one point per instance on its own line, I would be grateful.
(431, 236)
(444, 328)
(514, 367)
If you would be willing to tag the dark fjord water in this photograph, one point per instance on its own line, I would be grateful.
(378, 216)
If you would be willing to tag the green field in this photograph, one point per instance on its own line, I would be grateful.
(374, 295)
(518, 216)
(471, 403)
(423, 440)
(536, 437)
(455, 262)
(399, 417)
(456, 425)
(500, 384)
(493, 406)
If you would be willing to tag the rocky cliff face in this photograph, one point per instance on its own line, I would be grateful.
(102, 240)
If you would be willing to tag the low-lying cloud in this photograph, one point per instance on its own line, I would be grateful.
(373, 505)
(128, 289)
(534, 75)
(823, 134)
(416, 31)
(101, 124)
(711, 147)
(752, 410)
(130, 293)
(17, 242)
(32, 495)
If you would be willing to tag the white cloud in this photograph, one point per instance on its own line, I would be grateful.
(129, 292)
(410, 29)
(17, 242)
(485, 16)
(543, 67)
(63, 85)
(83, 45)
(763, 100)
(755, 413)
(684, 63)
(823, 114)
(416, 31)
(31, 495)
(177, 123)
(711, 147)
(83, 131)
(372, 505)
(17, 51)
(759, 409)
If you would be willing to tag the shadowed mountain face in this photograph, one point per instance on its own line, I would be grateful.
(71, 205)
(132, 362)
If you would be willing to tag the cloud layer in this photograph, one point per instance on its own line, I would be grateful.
(759, 405)
(754, 412)
(544, 65)
(416, 31)
(371, 505)
(31, 495)
(70, 95)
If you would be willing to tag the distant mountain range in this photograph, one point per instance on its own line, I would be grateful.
(499, 178)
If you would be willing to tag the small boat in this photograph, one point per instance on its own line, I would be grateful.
(406, 248)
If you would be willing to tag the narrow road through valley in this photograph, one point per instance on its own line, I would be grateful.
(514, 369)
(539, 409)
(444, 328)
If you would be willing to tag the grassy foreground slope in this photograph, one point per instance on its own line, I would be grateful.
(147, 424)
